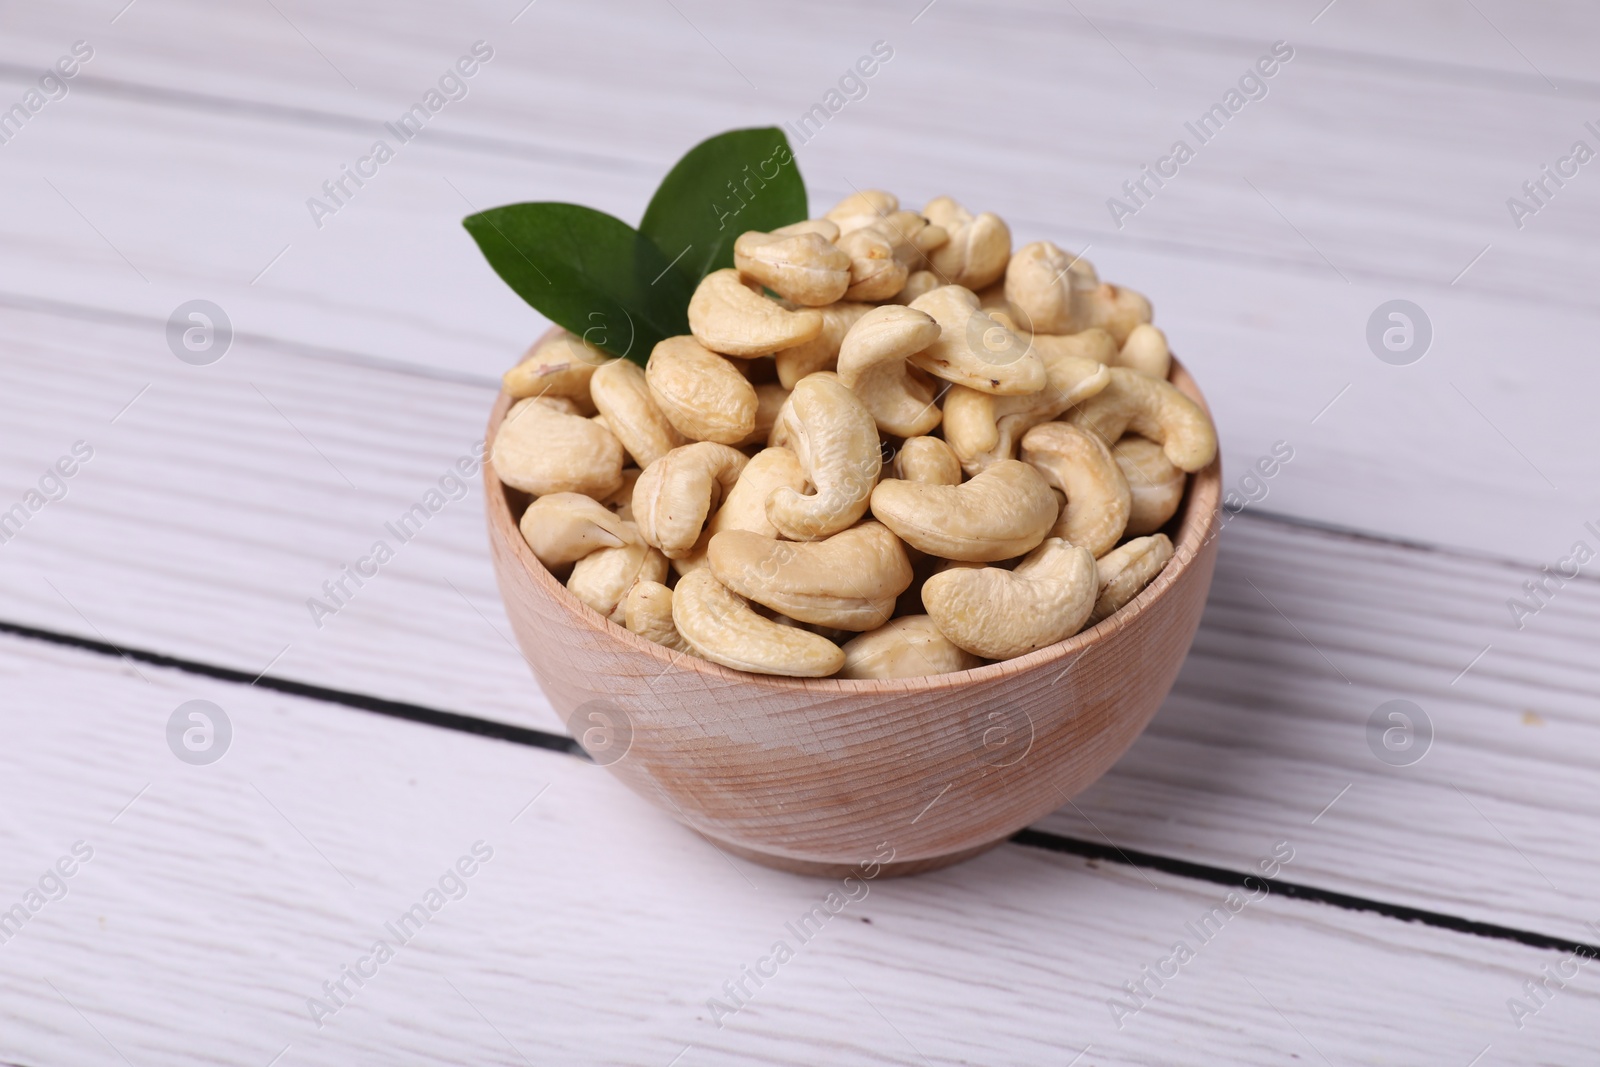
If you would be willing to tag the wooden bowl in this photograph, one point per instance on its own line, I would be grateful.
(828, 776)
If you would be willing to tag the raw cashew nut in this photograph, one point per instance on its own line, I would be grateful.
(621, 501)
(542, 449)
(908, 647)
(562, 528)
(837, 442)
(875, 272)
(729, 317)
(1150, 408)
(622, 394)
(1125, 571)
(976, 253)
(745, 507)
(564, 404)
(945, 211)
(602, 578)
(911, 237)
(647, 611)
(1001, 614)
(1093, 343)
(1080, 465)
(1146, 351)
(974, 349)
(703, 395)
(1000, 513)
(929, 460)
(1156, 485)
(721, 627)
(848, 581)
(992, 299)
(918, 282)
(1112, 308)
(820, 352)
(770, 397)
(559, 366)
(872, 363)
(806, 267)
(862, 209)
(984, 429)
(676, 493)
(827, 229)
(1042, 287)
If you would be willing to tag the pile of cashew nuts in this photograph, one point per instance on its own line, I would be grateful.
(924, 452)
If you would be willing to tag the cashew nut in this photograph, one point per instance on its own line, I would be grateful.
(929, 460)
(974, 349)
(562, 528)
(1093, 343)
(1146, 351)
(836, 440)
(769, 401)
(745, 507)
(721, 627)
(1001, 512)
(620, 501)
(911, 237)
(1080, 465)
(1042, 286)
(875, 272)
(1001, 614)
(848, 581)
(1114, 309)
(677, 492)
(703, 395)
(622, 394)
(543, 449)
(992, 298)
(1150, 408)
(1125, 571)
(872, 363)
(862, 209)
(559, 366)
(647, 611)
(976, 253)
(603, 577)
(918, 282)
(1156, 485)
(827, 229)
(730, 317)
(908, 647)
(820, 352)
(806, 267)
(983, 429)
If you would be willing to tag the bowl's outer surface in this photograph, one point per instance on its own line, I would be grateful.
(821, 774)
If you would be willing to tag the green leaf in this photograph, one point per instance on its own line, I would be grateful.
(588, 272)
(736, 181)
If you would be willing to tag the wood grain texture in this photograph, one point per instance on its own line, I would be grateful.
(217, 903)
(827, 771)
(197, 167)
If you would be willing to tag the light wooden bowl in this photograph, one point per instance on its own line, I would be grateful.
(825, 776)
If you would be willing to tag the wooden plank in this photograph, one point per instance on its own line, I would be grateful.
(218, 898)
(1241, 277)
(206, 520)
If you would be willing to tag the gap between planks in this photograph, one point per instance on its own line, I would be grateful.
(1028, 838)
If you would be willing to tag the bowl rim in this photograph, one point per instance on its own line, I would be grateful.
(1196, 518)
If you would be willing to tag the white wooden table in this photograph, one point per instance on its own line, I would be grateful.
(368, 756)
